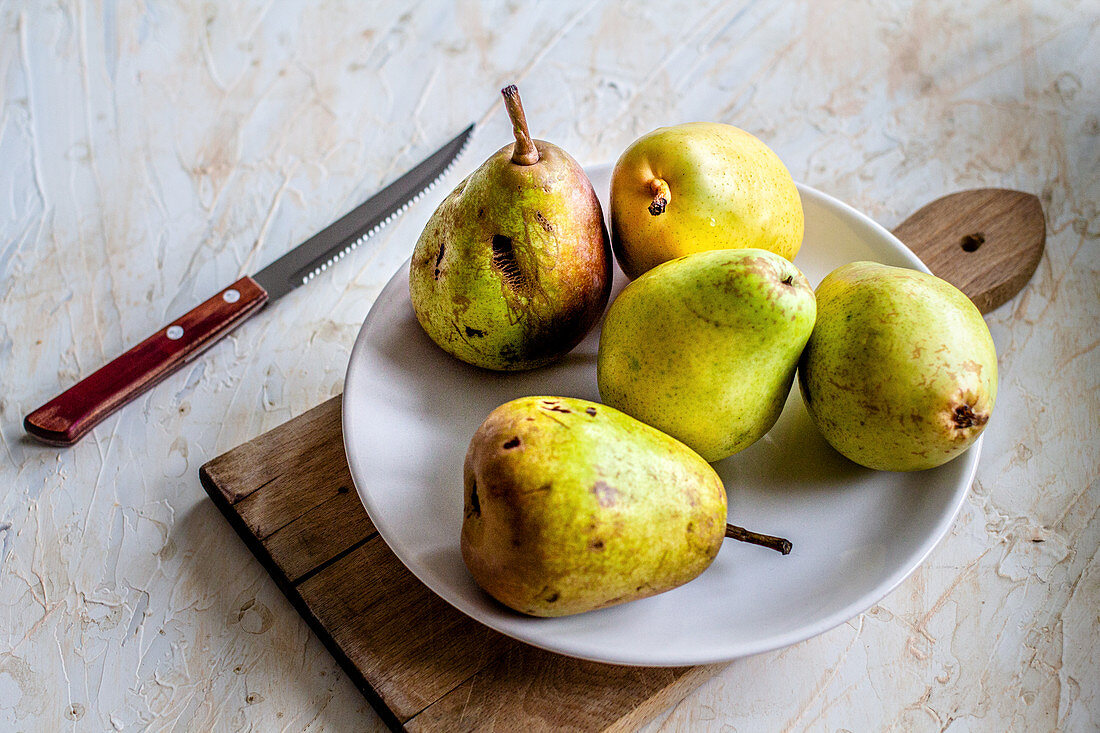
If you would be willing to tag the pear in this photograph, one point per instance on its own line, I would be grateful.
(704, 347)
(514, 267)
(571, 506)
(900, 373)
(701, 186)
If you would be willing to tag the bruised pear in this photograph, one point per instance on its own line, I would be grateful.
(571, 506)
(514, 267)
(900, 372)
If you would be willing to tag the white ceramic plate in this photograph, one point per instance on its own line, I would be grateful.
(410, 410)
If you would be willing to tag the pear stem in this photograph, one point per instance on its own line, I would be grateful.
(661, 196)
(524, 152)
(741, 534)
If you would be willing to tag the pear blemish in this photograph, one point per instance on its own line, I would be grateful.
(605, 494)
(504, 260)
(965, 417)
(439, 259)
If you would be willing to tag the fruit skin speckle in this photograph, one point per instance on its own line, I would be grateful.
(900, 372)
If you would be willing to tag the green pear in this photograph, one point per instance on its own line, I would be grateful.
(900, 373)
(514, 267)
(701, 186)
(571, 506)
(704, 347)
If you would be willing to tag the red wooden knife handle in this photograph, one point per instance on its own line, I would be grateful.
(67, 417)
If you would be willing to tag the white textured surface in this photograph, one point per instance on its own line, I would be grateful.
(150, 153)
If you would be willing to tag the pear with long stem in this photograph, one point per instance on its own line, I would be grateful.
(514, 267)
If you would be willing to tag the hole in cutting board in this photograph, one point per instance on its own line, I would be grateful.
(971, 242)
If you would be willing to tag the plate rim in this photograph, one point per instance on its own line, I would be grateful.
(858, 606)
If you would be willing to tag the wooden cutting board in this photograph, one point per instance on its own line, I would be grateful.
(421, 663)
(424, 665)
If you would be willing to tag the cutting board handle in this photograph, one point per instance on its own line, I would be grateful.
(987, 242)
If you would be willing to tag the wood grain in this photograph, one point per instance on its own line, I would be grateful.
(320, 534)
(987, 242)
(423, 665)
(516, 686)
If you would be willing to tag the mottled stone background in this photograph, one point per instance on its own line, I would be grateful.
(152, 152)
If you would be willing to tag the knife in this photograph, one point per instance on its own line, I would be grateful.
(67, 417)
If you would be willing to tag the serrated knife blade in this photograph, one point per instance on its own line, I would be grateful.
(322, 250)
(69, 416)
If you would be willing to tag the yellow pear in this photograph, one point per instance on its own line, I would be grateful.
(697, 187)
